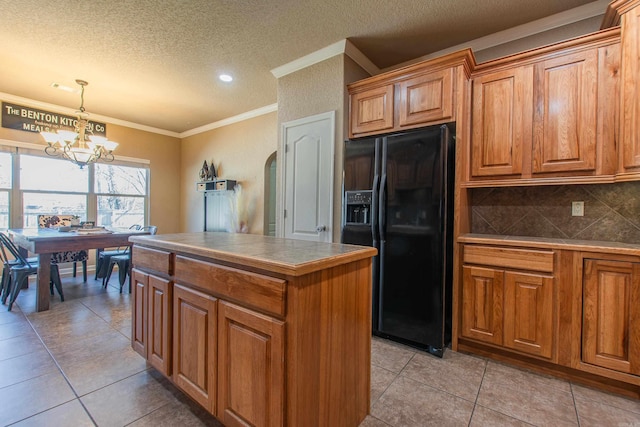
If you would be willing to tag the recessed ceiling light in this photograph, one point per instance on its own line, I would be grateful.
(225, 77)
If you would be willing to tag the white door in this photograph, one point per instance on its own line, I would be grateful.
(308, 177)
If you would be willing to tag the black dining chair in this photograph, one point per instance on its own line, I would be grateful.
(16, 271)
(103, 257)
(123, 261)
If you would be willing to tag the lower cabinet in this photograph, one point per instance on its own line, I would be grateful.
(507, 307)
(151, 325)
(611, 319)
(194, 345)
(250, 374)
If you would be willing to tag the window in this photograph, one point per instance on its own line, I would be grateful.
(6, 172)
(121, 193)
(52, 186)
(113, 195)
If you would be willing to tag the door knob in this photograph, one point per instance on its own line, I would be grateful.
(321, 228)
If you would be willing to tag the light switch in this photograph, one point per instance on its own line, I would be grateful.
(577, 208)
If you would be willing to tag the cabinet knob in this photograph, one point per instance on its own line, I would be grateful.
(321, 228)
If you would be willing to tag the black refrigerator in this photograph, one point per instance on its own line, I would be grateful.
(398, 198)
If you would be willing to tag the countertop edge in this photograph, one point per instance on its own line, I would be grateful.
(229, 256)
(549, 243)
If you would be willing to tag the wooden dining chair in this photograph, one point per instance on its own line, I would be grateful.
(19, 270)
(51, 221)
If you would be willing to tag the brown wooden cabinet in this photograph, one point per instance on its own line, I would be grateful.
(422, 94)
(504, 306)
(630, 87)
(151, 325)
(194, 345)
(426, 98)
(251, 369)
(611, 320)
(482, 305)
(529, 313)
(159, 309)
(565, 113)
(547, 114)
(139, 318)
(372, 110)
(501, 108)
(255, 340)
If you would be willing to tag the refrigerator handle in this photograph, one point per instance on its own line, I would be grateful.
(375, 194)
(382, 202)
(382, 216)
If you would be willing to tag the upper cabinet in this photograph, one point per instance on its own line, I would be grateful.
(372, 110)
(547, 114)
(629, 116)
(419, 95)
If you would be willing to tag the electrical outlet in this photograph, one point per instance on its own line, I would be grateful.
(577, 208)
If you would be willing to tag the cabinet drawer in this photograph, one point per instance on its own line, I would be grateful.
(249, 289)
(153, 259)
(524, 259)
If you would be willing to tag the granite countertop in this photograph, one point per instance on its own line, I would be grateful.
(543, 242)
(286, 256)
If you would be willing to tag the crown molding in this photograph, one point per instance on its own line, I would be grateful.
(231, 120)
(344, 46)
(72, 112)
(561, 19)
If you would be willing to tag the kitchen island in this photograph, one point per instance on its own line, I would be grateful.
(258, 330)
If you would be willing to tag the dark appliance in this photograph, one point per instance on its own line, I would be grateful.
(398, 198)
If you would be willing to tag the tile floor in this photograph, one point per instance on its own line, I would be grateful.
(73, 366)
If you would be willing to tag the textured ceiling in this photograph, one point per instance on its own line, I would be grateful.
(155, 62)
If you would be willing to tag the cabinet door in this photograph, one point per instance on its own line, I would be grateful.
(159, 324)
(194, 345)
(482, 293)
(372, 110)
(501, 120)
(426, 98)
(139, 312)
(564, 120)
(528, 313)
(611, 319)
(630, 87)
(251, 368)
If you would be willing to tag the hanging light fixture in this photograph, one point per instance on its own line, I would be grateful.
(79, 145)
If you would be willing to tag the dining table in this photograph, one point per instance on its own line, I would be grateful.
(45, 241)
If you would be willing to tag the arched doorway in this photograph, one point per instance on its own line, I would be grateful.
(270, 196)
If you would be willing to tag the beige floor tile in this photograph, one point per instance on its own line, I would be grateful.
(390, 355)
(33, 396)
(129, 400)
(93, 347)
(104, 370)
(456, 373)
(66, 333)
(15, 329)
(380, 380)
(370, 421)
(410, 403)
(27, 366)
(15, 315)
(484, 417)
(593, 413)
(20, 345)
(66, 415)
(586, 393)
(527, 396)
(177, 414)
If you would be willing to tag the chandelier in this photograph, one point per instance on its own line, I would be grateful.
(79, 146)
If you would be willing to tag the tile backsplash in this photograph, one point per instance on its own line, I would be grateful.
(611, 212)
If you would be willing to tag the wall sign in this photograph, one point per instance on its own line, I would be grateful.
(34, 120)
